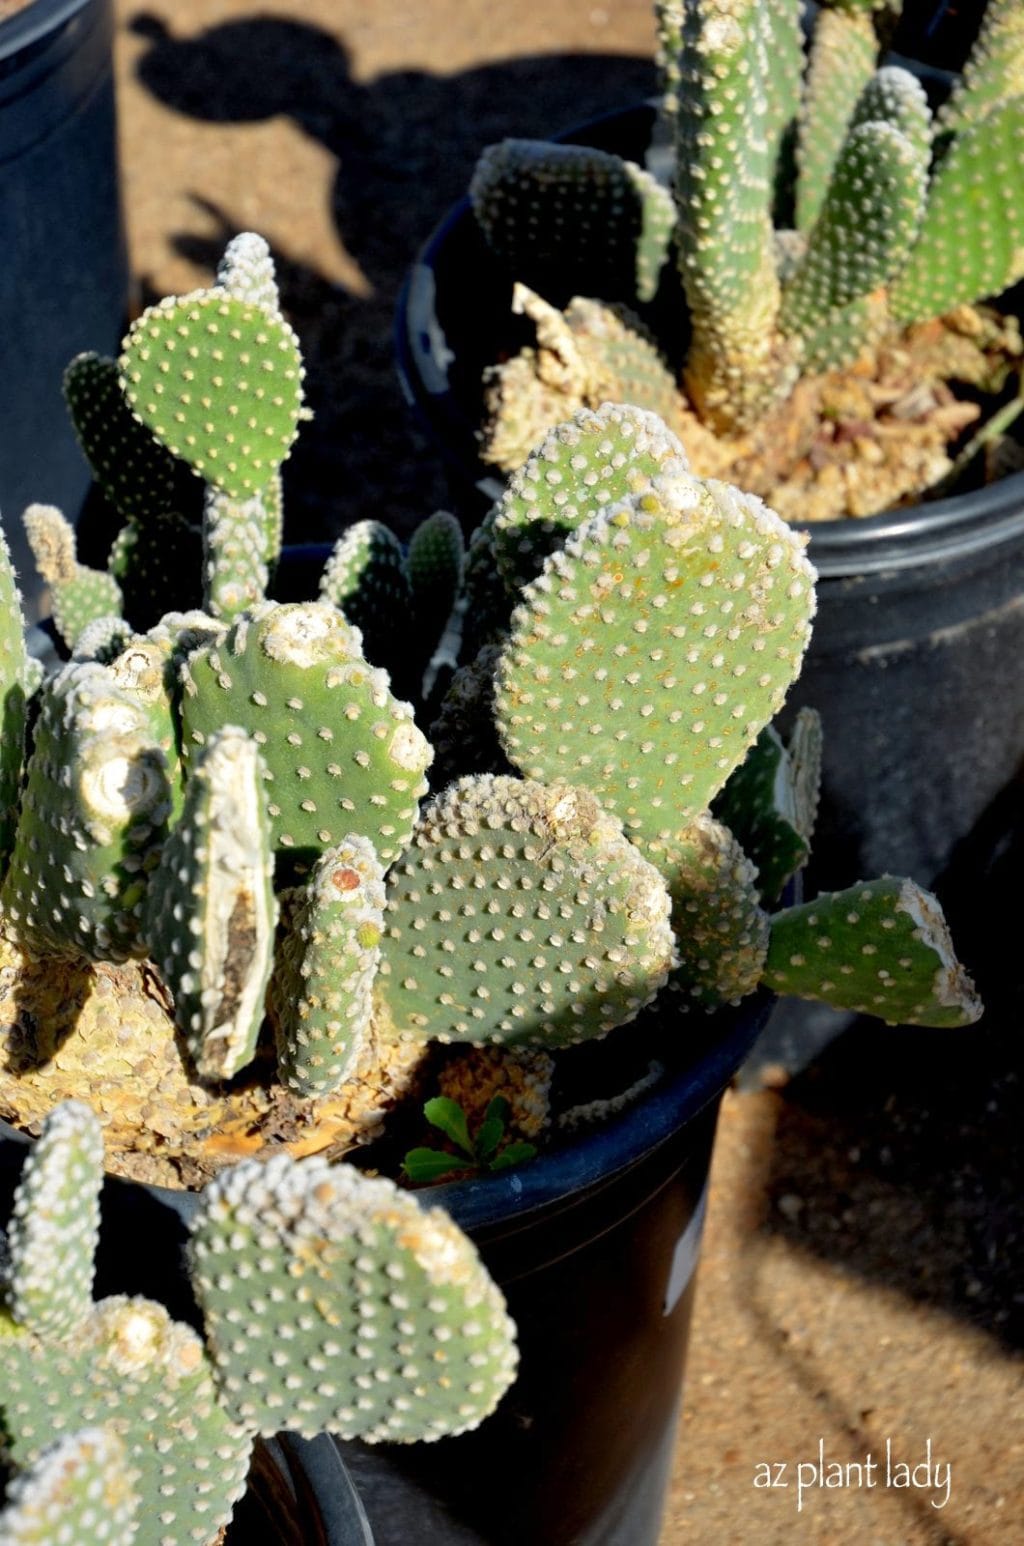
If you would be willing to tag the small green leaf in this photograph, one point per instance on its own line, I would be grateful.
(449, 1118)
(430, 1164)
(489, 1135)
(515, 1154)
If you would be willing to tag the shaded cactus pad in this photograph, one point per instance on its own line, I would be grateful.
(334, 1301)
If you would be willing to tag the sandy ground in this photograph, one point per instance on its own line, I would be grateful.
(860, 1281)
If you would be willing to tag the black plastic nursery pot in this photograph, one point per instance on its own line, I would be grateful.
(914, 661)
(64, 275)
(595, 1244)
(299, 1493)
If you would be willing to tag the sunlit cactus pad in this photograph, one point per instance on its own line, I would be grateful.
(333, 1301)
(78, 1493)
(211, 911)
(520, 913)
(133, 1369)
(219, 381)
(342, 754)
(721, 931)
(653, 649)
(880, 948)
(582, 466)
(323, 976)
(54, 1225)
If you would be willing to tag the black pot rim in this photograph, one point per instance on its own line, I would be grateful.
(585, 1162)
(27, 26)
(904, 538)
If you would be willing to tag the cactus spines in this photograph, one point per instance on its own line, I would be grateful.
(548, 928)
(134, 470)
(771, 801)
(840, 65)
(583, 465)
(211, 911)
(219, 381)
(235, 571)
(79, 1491)
(879, 948)
(342, 753)
(720, 929)
(365, 578)
(54, 1225)
(103, 639)
(971, 238)
(246, 271)
(434, 568)
(321, 992)
(16, 687)
(995, 69)
(612, 216)
(77, 594)
(894, 96)
(377, 1319)
(689, 609)
(93, 816)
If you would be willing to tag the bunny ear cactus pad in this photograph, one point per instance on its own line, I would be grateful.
(591, 462)
(520, 913)
(16, 667)
(219, 381)
(721, 932)
(131, 466)
(771, 801)
(333, 1301)
(653, 649)
(148, 1379)
(79, 1492)
(342, 754)
(211, 911)
(78, 594)
(321, 993)
(879, 948)
(54, 1226)
(93, 817)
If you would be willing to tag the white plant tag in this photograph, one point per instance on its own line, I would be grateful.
(684, 1257)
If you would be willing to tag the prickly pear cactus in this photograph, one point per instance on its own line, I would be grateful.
(93, 817)
(218, 380)
(771, 801)
(211, 912)
(721, 931)
(131, 466)
(376, 1321)
(235, 571)
(589, 463)
(879, 948)
(434, 567)
(652, 650)
(342, 754)
(365, 578)
(78, 1491)
(246, 271)
(543, 924)
(840, 64)
(78, 594)
(321, 993)
(55, 1223)
(15, 690)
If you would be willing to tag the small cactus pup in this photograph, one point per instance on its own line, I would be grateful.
(327, 1300)
(822, 219)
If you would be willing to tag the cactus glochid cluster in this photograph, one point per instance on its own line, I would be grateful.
(239, 915)
(818, 207)
(329, 1301)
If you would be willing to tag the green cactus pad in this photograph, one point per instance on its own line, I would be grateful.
(521, 914)
(841, 62)
(235, 570)
(131, 466)
(342, 754)
(77, 594)
(16, 687)
(54, 1225)
(219, 381)
(783, 81)
(547, 209)
(148, 1380)
(93, 817)
(434, 567)
(837, 338)
(365, 579)
(211, 912)
(484, 602)
(971, 241)
(246, 271)
(721, 932)
(771, 801)
(653, 649)
(879, 948)
(866, 227)
(78, 1492)
(321, 991)
(895, 96)
(994, 72)
(587, 464)
(332, 1300)
(138, 562)
(668, 20)
(103, 639)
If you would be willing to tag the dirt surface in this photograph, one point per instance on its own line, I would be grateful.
(861, 1277)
